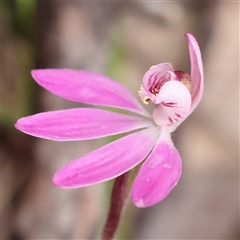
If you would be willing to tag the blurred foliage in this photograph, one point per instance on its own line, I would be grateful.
(118, 55)
(22, 16)
(18, 16)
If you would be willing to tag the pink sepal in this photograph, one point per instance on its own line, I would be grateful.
(87, 87)
(79, 124)
(108, 161)
(158, 174)
(196, 71)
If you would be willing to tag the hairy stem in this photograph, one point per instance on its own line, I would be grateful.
(119, 195)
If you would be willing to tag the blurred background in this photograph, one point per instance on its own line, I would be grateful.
(121, 39)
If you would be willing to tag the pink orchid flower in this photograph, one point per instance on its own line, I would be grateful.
(176, 95)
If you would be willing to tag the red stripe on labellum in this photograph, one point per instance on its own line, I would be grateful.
(155, 79)
(150, 80)
(169, 104)
(178, 115)
(170, 120)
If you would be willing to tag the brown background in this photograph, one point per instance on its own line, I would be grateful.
(121, 39)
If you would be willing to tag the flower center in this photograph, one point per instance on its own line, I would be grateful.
(184, 78)
(156, 82)
(156, 77)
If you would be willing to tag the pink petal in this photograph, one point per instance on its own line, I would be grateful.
(79, 124)
(107, 162)
(87, 87)
(158, 175)
(196, 71)
(174, 104)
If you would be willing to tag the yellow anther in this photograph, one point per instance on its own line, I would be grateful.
(146, 100)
